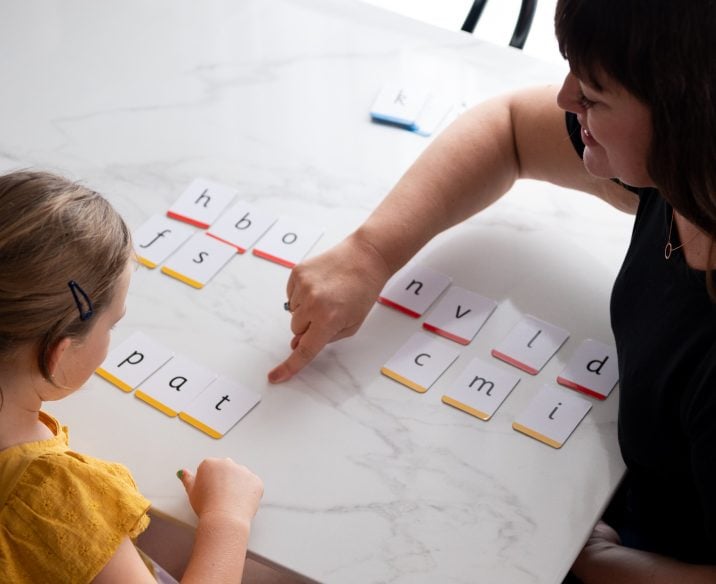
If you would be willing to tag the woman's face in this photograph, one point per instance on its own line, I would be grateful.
(616, 129)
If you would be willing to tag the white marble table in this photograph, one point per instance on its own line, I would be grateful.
(366, 481)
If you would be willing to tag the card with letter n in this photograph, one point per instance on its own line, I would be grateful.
(420, 362)
(593, 369)
(459, 315)
(552, 416)
(219, 407)
(530, 344)
(130, 363)
(413, 289)
(175, 385)
(199, 260)
(480, 389)
(287, 242)
(157, 238)
(241, 226)
(201, 203)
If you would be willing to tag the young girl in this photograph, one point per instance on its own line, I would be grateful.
(66, 260)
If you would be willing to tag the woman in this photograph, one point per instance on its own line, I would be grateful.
(638, 133)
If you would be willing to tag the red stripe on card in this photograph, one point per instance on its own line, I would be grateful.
(266, 256)
(402, 309)
(514, 362)
(580, 388)
(444, 333)
(222, 240)
(188, 220)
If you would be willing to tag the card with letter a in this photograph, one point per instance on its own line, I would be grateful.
(199, 260)
(157, 238)
(592, 369)
(175, 385)
(552, 416)
(130, 363)
(219, 407)
(530, 344)
(420, 362)
(413, 289)
(480, 389)
(202, 203)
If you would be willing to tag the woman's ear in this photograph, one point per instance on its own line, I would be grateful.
(55, 354)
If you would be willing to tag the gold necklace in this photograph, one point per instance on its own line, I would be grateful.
(668, 248)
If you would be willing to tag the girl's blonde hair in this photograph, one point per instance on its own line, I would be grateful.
(62, 249)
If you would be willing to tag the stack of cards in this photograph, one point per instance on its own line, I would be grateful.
(175, 385)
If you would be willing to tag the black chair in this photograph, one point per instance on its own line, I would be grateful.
(522, 28)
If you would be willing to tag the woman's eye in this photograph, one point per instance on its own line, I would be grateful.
(584, 101)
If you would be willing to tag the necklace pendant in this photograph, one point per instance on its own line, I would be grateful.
(667, 250)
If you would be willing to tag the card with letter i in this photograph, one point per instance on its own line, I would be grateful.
(241, 226)
(480, 389)
(552, 416)
(157, 238)
(530, 344)
(127, 365)
(199, 260)
(201, 203)
(413, 289)
(593, 369)
(420, 362)
(175, 385)
(219, 407)
(287, 242)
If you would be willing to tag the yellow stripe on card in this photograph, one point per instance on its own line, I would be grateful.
(154, 403)
(536, 435)
(465, 408)
(114, 380)
(146, 262)
(404, 380)
(200, 425)
(182, 277)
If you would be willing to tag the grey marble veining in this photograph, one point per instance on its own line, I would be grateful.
(366, 481)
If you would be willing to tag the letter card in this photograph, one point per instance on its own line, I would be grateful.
(157, 238)
(459, 315)
(399, 104)
(420, 362)
(592, 369)
(174, 386)
(241, 226)
(219, 407)
(530, 344)
(130, 363)
(413, 289)
(287, 242)
(552, 416)
(481, 389)
(202, 202)
(199, 260)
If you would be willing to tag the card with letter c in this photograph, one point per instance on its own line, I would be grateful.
(130, 363)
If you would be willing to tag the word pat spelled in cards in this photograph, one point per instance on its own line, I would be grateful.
(157, 238)
(413, 289)
(218, 408)
(241, 226)
(175, 385)
(459, 315)
(130, 363)
(530, 344)
(202, 203)
(199, 260)
(480, 389)
(592, 369)
(287, 242)
(420, 362)
(552, 416)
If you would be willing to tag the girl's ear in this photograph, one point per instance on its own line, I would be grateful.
(55, 354)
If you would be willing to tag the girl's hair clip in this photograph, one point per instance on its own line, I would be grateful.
(79, 295)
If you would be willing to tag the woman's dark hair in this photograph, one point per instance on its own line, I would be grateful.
(664, 53)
